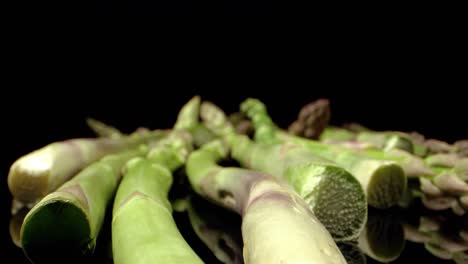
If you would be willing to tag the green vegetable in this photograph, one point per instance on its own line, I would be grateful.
(143, 230)
(277, 225)
(334, 195)
(42, 171)
(69, 219)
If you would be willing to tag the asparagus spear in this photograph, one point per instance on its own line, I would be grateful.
(42, 171)
(69, 219)
(103, 130)
(383, 181)
(312, 119)
(334, 195)
(384, 140)
(143, 230)
(266, 207)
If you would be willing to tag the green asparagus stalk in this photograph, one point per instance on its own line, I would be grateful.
(383, 181)
(69, 219)
(42, 171)
(103, 130)
(335, 196)
(384, 140)
(336, 134)
(143, 229)
(266, 207)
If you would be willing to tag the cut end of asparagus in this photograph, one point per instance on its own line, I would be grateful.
(399, 142)
(28, 177)
(56, 229)
(386, 186)
(337, 200)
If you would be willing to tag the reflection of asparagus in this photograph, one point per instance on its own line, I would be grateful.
(442, 236)
(352, 253)
(383, 181)
(383, 237)
(69, 219)
(217, 228)
(40, 172)
(266, 207)
(143, 230)
(16, 222)
(334, 195)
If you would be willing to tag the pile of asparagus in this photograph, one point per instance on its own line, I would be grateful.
(312, 185)
(443, 235)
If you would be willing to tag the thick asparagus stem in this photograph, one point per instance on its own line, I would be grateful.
(383, 181)
(143, 230)
(266, 207)
(335, 196)
(69, 219)
(42, 171)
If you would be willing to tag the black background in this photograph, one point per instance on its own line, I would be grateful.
(382, 84)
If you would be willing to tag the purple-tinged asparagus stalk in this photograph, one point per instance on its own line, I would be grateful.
(42, 171)
(312, 119)
(277, 225)
(335, 197)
